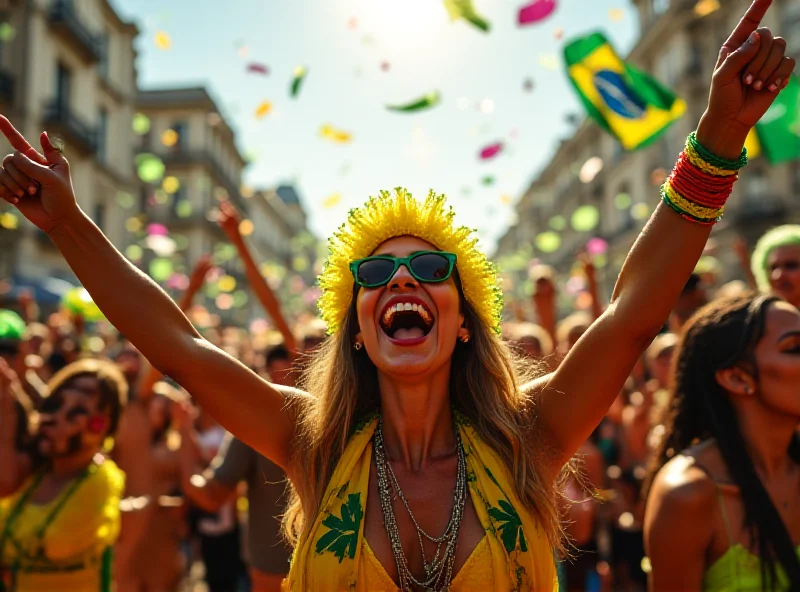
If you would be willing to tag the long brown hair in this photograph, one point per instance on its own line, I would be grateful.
(486, 389)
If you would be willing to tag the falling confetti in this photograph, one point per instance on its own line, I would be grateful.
(486, 106)
(535, 11)
(162, 246)
(157, 230)
(9, 220)
(183, 209)
(558, 223)
(385, 66)
(616, 14)
(162, 40)
(425, 102)
(169, 138)
(134, 252)
(246, 227)
(463, 9)
(558, 33)
(300, 73)
(224, 301)
(160, 196)
(257, 68)
(640, 211)
(528, 84)
(706, 7)
(140, 124)
(243, 51)
(596, 246)
(328, 132)
(79, 302)
(7, 32)
(170, 185)
(622, 201)
(161, 269)
(331, 201)
(585, 218)
(548, 242)
(506, 200)
(149, 167)
(352, 23)
(227, 283)
(491, 151)
(590, 169)
(488, 180)
(125, 200)
(548, 61)
(263, 109)
(133, 224)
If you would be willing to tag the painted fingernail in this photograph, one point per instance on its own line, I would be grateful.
(32, 189)
(753, 39)
(777, 82)
(772, 87)
(748, 79)
(757, 85)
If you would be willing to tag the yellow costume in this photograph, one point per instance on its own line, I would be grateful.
(65, 544)
(514, 555)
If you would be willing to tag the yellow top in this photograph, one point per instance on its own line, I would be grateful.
(740, 570)
(514, 556)
(475, 574)
(64, 544)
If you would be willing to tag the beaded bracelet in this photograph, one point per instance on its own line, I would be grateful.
(701, 183)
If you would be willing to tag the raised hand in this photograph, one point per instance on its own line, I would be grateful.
(229, 220)
(750, 71)
(39, 185)
(198, 277)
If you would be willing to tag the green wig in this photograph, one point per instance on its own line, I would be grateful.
(780, 236)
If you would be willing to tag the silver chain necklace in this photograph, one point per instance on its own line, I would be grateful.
(439, 570)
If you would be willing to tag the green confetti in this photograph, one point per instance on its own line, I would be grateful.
(585, 218)
(125, 200)
(548, 242)
(134, 252)
(183, 209)
(160, 269)
(425, 102)
(622, 201)
(239, 298)
(150, 167)
(300, 73)
(640, 211)
(488, 180)
(465, 10)
(558, 223)
(141, 124)
(7, 32)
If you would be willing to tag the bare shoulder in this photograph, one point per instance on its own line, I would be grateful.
(684, 488)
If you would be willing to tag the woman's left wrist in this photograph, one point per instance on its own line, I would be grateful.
(723, 139)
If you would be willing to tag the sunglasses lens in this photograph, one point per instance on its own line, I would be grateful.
(431, 267)
(374, 272)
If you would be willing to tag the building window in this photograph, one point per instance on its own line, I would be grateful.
(105, 58)
(102, 136)
(181, 129)
(63, 86)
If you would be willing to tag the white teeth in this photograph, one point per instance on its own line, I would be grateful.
(414, 307)
(408, 306)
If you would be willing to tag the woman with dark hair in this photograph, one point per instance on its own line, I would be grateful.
(723, 511)
(419, 456)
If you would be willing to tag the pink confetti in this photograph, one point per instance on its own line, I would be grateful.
(178, 281)
(596, 246)
(257, 68)
(536, 11)
(157, 230)
(385, 66)
(491, 151)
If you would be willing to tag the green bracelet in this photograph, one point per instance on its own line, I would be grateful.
(715, 160)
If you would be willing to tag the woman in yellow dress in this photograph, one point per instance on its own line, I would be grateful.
(419, 456)
(58, 523)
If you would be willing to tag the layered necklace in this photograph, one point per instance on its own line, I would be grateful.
(439, 570)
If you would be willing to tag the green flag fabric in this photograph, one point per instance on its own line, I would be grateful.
(779, 129)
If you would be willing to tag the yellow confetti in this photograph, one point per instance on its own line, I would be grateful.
(162, 40)
(706, 7)
(548, 61)
(227, 283)
(169, 138)
(328, 132)
(133, 224)
(246, 227)
(247, 191)
(299, 71)
(506, 199)
(616, 14)
(332, 200)
(9, 221)
(263, 109)
(170, 184)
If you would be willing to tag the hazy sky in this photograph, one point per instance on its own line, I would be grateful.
(362, 55)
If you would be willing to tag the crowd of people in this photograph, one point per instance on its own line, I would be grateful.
(651, 437)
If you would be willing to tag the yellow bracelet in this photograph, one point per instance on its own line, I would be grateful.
(690, 207)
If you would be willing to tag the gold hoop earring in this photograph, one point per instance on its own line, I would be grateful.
(465, 338)
(358, 345)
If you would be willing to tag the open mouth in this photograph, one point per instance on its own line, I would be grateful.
(403, 321)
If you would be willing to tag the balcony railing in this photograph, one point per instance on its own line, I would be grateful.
(6, 88)
(204, 157)
(66, 23)
(74, 131)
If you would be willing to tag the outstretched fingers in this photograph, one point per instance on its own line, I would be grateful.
(749, 23)
(18, 141)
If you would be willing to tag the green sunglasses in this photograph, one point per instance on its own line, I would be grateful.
(429, 267)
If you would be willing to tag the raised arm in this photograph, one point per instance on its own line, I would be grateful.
(573, 400)
(41, 187)
(229, 221)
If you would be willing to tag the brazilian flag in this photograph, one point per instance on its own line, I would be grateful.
(778, 131)
(623, 100)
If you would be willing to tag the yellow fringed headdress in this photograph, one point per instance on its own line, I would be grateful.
(398, 214)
